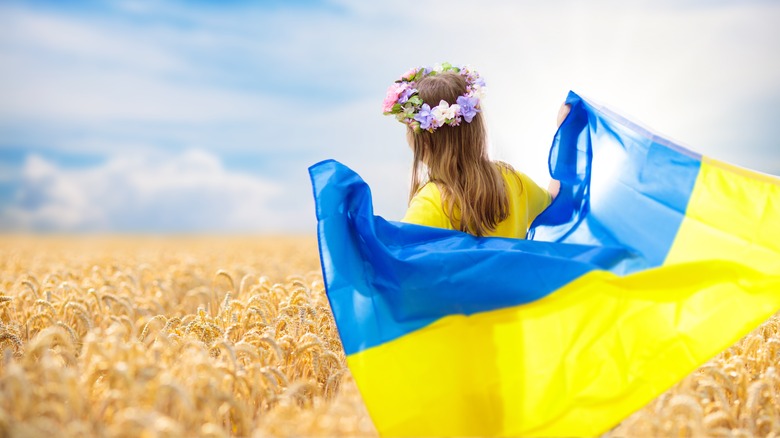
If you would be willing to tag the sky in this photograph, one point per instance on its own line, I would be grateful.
(204, 116)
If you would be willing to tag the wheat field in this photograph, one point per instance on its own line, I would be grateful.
(233, 336)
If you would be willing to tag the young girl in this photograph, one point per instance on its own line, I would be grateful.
(454, 183)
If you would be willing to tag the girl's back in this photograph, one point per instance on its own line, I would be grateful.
(454, 183)
(526, 201)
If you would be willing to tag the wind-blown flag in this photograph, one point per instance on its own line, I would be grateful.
(651, 260)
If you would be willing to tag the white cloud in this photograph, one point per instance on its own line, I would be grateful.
(306, 83)
(64, 68)
(691, 72)
(191, 191)
(83, 41)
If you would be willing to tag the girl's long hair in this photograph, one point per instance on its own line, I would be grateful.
(455, 158)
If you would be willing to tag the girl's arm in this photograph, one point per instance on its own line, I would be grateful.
(555, 186)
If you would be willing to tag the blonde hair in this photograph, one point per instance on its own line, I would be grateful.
(455, 159)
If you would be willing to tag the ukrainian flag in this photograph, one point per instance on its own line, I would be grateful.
(650, 261)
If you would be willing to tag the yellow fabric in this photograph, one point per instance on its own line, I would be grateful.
(526, 201)
(732, 214)
(580, 359)
(570, 364)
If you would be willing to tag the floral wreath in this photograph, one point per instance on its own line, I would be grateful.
(405, 103)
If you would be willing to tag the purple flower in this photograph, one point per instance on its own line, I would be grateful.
(468, 107)
(424, 116)
(406, 94)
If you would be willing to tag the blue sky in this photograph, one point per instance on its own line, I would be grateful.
(146, 116)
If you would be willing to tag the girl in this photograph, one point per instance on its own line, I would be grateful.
(454, 183)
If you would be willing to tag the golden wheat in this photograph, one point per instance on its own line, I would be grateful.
(182, 337)
(234, 337)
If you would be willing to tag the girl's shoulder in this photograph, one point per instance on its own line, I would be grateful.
(521, 184)
(506, 168)
(425, 208)
(537, 196)
(511, 174)
(428, 190)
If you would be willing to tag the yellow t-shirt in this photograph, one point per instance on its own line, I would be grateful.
(526, 201)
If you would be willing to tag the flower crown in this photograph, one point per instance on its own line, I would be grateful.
(405, 103)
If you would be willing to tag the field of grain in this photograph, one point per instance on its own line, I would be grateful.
(233, 336)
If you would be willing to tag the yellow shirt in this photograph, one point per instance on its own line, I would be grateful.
(526, 201)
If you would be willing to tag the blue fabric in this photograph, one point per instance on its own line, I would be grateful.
(385, 279)
(616, 186)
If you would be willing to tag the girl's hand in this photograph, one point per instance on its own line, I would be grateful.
(554, 187)
(563, 112)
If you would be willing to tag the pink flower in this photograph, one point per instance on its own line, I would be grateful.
(392, 96)
(409, 74)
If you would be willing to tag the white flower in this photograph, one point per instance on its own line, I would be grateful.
(438, 115)
(477, 91)
(452, 112)
(444, 112)
(438, 68)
